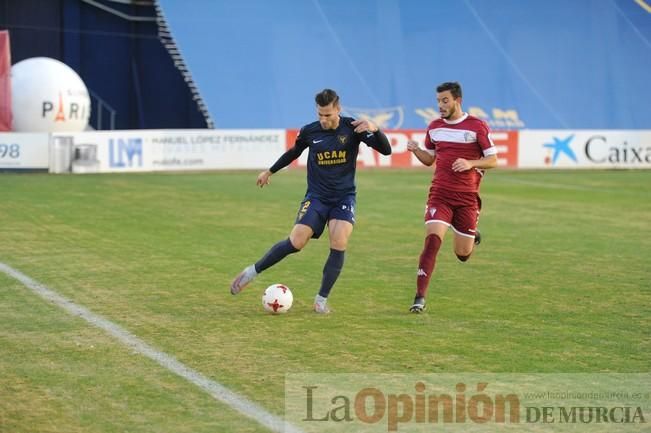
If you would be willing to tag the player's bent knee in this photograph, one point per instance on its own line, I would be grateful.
(463, 251)
(298, 242)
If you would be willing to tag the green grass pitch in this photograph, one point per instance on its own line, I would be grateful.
(560, 283)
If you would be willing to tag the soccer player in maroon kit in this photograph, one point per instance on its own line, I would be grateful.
(462, 149)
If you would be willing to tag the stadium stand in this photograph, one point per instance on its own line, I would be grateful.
(524, 64)
(553, 64)
(122, 50)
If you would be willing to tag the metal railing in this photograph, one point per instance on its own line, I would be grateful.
(102, 109)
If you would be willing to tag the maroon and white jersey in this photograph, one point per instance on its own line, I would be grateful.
(467, 138)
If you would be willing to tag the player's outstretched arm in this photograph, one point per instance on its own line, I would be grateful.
(282, 162)
(423, 156)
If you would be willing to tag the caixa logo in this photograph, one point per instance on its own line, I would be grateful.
(125, 152)
(599, 150)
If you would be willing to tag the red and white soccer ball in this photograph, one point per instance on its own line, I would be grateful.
(277, 299)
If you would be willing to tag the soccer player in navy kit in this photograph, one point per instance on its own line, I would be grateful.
(461, 146)
(333, 143)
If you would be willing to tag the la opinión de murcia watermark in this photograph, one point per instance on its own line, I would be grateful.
(371, 405)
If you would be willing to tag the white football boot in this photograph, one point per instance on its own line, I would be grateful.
(321, 305)
(244, 278)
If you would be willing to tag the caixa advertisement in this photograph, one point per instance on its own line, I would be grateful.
(585, 149)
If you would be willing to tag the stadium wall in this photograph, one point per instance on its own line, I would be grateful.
(219, 149)
(552, 64)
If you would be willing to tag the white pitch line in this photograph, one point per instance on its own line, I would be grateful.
(215, 389)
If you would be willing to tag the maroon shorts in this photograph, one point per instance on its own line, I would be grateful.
(459, 210)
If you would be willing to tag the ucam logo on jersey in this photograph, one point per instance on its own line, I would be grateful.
(367, 157)
(585, 149)
(506, 143)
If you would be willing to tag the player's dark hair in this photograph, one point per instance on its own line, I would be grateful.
(453, 86)
(326, 97)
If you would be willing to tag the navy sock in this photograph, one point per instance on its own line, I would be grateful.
(331, 271)
(275, 254)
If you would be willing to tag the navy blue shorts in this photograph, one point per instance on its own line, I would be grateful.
(316, 214)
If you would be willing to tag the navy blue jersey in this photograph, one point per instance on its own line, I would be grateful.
(332, 157)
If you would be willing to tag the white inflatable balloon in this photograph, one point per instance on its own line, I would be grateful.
(48, 96)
